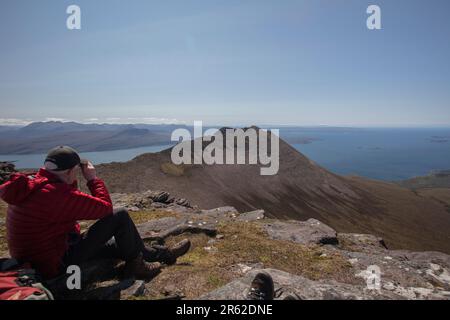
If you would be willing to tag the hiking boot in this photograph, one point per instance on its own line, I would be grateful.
(167, 255)
(140, 269)
(262, 288)
(179, 249)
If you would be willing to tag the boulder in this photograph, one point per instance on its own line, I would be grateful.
(220, 211)
(183, 203)
(411, 275)
(146, 200)
(301, 288)
(360, 242)
(131, 202)
(303, 232)
(252, 216)
(161, 229)
(161, 196)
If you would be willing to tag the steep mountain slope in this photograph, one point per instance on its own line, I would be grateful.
(300, 190)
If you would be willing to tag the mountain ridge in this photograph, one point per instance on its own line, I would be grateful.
(39, 137)
(301, 190)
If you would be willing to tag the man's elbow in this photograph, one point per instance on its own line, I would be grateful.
(105, 210)
(108, 209)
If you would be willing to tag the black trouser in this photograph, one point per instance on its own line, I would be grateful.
(113, 237)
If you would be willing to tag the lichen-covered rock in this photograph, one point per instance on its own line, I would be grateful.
(287, 284)
(303, 232)
(165, 227)
(298, 287)
(360, 242)
(411, 275)
(146, 200)
(131, 202)
(252, 216)
(221, 210)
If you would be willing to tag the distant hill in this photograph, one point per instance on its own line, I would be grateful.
(39, 137)
(301, 190)
(438, 179)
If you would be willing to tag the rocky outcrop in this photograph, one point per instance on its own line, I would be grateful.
(303, 232)
(252, 216)
(360, 242)
(403, 274)
(163, 228)
(411, 275)
(298, 287)
(148, 200)
(192, 221)
(400, 274)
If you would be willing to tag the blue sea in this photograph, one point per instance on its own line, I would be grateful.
(384, 154)
(36, 160)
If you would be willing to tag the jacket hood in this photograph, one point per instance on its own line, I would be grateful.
(19, 187)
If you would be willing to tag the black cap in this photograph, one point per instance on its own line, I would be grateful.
(63, 158)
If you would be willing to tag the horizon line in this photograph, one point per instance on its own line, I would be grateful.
(18, 122)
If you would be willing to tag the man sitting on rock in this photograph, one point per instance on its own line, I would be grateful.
(43, 214)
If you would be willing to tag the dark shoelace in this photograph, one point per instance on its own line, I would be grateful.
(256, 294)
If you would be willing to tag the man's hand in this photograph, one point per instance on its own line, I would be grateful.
(88, 171)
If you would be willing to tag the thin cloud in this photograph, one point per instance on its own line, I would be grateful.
(14, 122)
(56, 120)
(130, 120)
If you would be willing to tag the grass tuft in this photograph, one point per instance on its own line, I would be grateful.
(172, 169)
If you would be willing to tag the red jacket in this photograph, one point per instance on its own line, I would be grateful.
(43, 211)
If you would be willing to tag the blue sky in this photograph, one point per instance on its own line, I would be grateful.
(226, 62)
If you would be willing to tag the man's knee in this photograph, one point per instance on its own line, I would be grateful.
(122, 214)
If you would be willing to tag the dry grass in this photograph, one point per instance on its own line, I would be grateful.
(441, 195)
(201, 271)
(172, 169)
(148, 215)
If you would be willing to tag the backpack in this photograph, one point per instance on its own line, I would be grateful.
(20, 282)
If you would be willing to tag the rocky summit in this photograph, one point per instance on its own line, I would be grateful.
(406, 219)
(307, 259)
